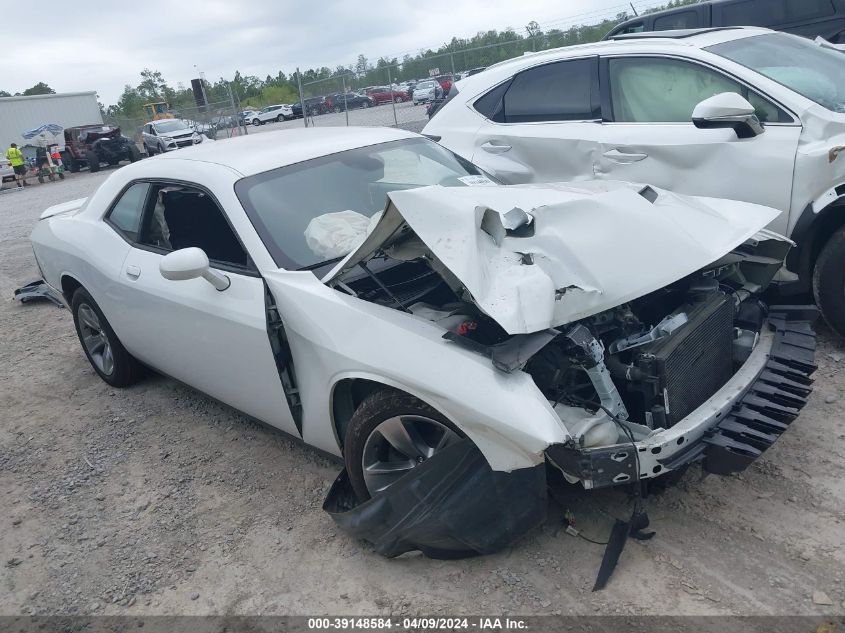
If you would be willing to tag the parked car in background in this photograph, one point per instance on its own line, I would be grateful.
(383, 94)
(313, 106)
(166, 135)
(92, 145)
(7, 174)
(445, 82)
(311, 281)
(810, 18)
(713, 113)
(424, 91)
(246, 116)
(224, 121)
(279, 112)
(352, 100)
(474, 71)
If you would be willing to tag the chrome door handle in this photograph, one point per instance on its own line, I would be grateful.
(624, 157)
(133, 272)
(492, 148)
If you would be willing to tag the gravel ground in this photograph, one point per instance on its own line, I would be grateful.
(158, 500)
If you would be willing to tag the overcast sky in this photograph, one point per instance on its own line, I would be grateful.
(87, 45)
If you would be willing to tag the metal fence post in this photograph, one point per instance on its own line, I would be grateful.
(345, 106)
(392, 102)
(235, 112)
(452, 58)
(301, 98)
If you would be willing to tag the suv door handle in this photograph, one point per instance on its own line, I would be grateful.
(625, 158)
(133, 272)
(493, 148)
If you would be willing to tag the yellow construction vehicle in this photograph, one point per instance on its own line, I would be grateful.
(157, 110)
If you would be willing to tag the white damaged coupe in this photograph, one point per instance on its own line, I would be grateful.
(451, 338)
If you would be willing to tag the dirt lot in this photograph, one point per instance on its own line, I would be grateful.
(158, 500)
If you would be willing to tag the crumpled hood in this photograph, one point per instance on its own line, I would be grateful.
(590, 246)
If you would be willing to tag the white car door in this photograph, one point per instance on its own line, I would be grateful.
(649, 137)
(215, 341)
(543, 125)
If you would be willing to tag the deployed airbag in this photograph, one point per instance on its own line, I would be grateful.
(451, 506)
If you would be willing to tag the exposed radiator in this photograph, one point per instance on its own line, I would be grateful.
(695, 361)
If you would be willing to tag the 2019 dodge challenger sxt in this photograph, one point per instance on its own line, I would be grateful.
(383, 299)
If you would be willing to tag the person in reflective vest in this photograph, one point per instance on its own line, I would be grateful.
(15, 157)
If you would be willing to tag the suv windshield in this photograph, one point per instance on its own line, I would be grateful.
(170, 126)
(810, 70)
(318, 210)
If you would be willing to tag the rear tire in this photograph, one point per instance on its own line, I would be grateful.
(93, 161)
(387, 409)
(71, 163)
(104, 351)
(280, 118)
(134, 153)
(829, 282)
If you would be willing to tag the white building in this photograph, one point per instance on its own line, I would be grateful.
(21, 114)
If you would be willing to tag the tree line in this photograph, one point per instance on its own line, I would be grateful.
(459, 54)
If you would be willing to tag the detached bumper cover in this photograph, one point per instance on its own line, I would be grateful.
(452, 506)
(772, 401)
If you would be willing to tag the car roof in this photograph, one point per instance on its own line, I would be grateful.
(652, 42)
(256, 153)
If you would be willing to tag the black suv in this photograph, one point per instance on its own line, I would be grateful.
(809, 18)
(353, 100)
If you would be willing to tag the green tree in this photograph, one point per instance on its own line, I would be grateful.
(39, 89)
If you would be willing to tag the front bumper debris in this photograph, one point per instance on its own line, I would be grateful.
(36, 290)
(745, 427)
(451, 506)
(772, 401)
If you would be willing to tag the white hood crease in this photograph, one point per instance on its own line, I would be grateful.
(594, 245)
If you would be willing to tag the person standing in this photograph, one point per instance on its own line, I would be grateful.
(15, 157)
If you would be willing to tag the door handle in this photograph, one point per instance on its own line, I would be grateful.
(133, 272)
(492, 148)
(624, 157)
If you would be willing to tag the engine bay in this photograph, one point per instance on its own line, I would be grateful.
(625, 372)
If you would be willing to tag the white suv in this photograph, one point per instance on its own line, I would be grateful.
(279, 113)
(743, 113)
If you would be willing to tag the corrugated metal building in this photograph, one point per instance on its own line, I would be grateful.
(20, 114)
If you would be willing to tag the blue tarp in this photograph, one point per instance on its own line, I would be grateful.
(52, 128)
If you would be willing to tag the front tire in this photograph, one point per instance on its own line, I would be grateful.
(389, 434)
(103, 349)
(256, 122)
(829, 282)
(134, 153)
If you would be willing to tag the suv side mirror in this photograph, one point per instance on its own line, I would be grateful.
(728, 110)
(191, 263)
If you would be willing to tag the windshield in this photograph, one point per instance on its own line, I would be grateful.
(170, 126)
(810, 70)
(320, 210)
(425, 85)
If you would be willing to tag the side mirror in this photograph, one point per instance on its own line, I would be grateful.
(191, 263)
(728, 110)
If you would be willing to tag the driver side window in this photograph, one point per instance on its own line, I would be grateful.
(179, 216)
(661, 90)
